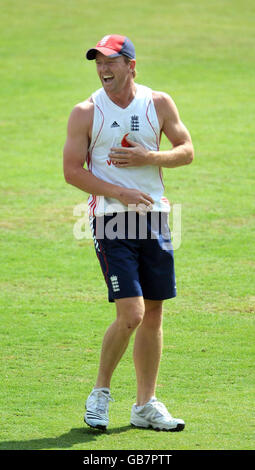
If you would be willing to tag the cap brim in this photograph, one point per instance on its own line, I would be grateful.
(91, 54)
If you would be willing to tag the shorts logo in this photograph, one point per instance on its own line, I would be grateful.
(115, 283)
(134, 123)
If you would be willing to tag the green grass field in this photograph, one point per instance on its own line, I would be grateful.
(54, 307)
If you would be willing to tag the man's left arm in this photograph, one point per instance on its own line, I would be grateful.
(182, 152)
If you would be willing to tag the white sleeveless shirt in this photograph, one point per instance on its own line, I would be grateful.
(139, 122)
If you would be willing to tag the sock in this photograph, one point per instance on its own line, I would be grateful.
(104, 389)
(141, 406)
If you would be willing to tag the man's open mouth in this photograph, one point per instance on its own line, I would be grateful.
(107, 78)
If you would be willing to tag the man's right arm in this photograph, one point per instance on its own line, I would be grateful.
(75, 153)
(74, 157)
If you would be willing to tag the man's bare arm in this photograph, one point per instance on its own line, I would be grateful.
(74, 157)
(182, 152)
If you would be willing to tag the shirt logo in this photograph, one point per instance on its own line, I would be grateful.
(115, 124)
(134, 123)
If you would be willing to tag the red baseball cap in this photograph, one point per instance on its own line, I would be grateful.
(113, 45)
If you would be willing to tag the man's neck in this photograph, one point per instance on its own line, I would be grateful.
(123, 98)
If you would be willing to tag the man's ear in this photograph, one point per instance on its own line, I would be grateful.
(132, 64)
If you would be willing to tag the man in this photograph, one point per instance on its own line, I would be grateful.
(117, 132)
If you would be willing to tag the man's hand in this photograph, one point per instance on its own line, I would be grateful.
(140, 202)
(135, 155)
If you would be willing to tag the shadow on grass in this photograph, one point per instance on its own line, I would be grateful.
(65, 441)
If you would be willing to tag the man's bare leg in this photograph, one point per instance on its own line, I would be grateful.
(147, 351)
(130, 313)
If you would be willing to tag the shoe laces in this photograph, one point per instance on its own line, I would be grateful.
(160, 409)
(102, 400)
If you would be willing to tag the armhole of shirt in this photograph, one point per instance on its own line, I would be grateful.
(93, 125)
(154, 117)
(98, 120)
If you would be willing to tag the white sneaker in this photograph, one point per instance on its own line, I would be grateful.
(154, 414)
(97, 406)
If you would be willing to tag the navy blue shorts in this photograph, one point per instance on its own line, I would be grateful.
(136, 255)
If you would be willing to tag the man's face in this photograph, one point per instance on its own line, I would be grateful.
(114, 73)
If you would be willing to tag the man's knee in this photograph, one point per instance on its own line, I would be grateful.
(153, 314)
(130, 312)
(134, 320)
